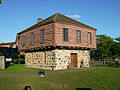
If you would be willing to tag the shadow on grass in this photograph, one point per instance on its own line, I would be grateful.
(27, 88)
(83, 89)
(7, 65)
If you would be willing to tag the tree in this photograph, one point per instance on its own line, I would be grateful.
(104, 45)
(116, 48)
(1, 1)
(118, 39)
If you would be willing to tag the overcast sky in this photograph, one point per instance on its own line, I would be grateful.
(17, 15)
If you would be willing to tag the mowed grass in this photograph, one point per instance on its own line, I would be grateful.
(97, 78)
(18, 68)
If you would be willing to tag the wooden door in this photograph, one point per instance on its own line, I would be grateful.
(73, 60)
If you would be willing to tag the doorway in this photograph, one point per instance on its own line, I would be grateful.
(73, 60)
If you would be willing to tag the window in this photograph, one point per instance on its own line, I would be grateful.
(89, 38)
(32, 37)
(65, 32)
(78, 36)
(23, 40)
(42, 36)
(44, 58)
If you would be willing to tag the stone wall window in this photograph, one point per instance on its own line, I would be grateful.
(32, 37)
(78, 36)
(89, 38)
(37, 58)
(65, 34)
(23, 40)
(44, 60)
(42, 36)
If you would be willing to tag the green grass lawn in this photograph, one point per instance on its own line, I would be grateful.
(18, 68)
(98, 78)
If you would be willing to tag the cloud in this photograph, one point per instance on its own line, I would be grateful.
(73, 16)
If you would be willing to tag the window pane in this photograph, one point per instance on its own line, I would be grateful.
(78, 36)
(65, 32)
(89, 38)
(32, 37)
(23, 40)
(41, 36)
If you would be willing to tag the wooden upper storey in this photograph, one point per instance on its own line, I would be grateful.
(57, 31)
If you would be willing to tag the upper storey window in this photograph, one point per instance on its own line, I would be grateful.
(89, 38)
(65, 34)
(23, 40)
(78, 36)
(32, 37)
(42, 36)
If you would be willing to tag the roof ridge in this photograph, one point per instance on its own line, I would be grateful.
(55, 17)
(74, 20)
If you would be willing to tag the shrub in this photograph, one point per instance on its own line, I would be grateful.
(22, 61)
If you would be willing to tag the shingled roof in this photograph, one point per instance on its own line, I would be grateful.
(56, 18)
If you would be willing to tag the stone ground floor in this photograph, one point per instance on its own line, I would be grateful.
(2, 62)
(57, 59)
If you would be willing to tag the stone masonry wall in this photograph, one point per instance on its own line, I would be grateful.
(63, 58)
(2, 62)
(58, 59)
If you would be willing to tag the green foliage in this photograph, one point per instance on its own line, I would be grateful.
(18, 69)
(19, 60)
(107, 48)
(9, 52)
(1, 1)
(118, 39)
